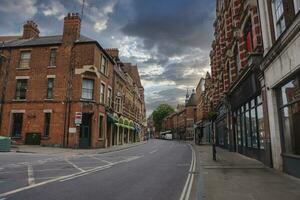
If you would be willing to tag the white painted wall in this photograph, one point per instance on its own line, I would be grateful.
(279, 70)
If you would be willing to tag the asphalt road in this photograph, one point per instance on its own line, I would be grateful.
(156, 170)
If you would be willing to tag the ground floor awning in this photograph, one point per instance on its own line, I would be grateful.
(125, 126)
(111, 118)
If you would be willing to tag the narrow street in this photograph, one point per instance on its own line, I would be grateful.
(155, 170)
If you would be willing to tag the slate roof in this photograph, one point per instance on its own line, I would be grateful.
(44, 40)
(192, 100)
(133, 72)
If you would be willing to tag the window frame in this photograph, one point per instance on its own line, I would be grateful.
(50, 89)
(51, 57)
(278, 19)
(20, 90)
(26, 60)
(87, 89)
(104, 66)
(20, 125)
(102, 93)
(47, 123)
(280, 109)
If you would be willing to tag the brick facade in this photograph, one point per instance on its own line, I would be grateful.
(77, 58)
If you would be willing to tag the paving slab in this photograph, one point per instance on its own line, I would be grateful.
(235, 176)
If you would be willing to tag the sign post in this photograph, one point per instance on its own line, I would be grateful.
(78, 118)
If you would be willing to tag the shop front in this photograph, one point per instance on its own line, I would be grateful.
(222, 138)
(248, 119)
(288, 95)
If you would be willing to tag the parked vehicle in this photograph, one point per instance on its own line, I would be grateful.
(168, 136)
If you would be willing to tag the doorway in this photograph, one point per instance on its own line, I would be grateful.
(85, 131)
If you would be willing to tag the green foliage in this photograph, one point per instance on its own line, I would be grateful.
(160, 113)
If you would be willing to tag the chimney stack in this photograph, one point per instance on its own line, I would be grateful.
(72, 23)
(113, 52)
(30, 30)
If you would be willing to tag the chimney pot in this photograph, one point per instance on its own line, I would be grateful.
(72, 23)
(30, 30)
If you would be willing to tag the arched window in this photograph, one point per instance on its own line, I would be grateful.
(248, 36)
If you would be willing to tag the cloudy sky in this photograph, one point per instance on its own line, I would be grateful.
(168, 39)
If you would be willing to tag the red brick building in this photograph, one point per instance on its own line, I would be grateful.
(238, 86)
(57, 90)
(181, 123)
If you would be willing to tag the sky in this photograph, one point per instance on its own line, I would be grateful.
(169, 40)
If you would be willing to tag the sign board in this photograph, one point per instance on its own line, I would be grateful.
(78, 118)
(72, 130)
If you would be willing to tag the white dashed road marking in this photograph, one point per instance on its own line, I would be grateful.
(75, 166)
(30, 175)
(153, 151)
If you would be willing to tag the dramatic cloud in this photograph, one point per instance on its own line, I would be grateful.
(169, 40)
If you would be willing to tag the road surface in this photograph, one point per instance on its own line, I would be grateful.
(156, 170)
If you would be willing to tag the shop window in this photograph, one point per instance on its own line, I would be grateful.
(253, 125)
(297, 5)
(261, 126)
(250, 124)
(278, 17)
(25, 59)
(17, 122)
(47, 124)
(243, 127)
(290, 116)
(87, 89)
(238, 128)
(248, 127)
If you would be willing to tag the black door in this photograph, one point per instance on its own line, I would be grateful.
(85, 131)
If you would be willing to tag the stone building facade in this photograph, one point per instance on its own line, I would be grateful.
(57, 90)
(280, 21)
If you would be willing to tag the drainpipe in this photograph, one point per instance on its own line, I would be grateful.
(69, 97)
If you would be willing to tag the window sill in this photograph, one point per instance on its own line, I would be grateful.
(45, 138)
(48, 99)
(22, 68)
(19, 100)
(101, 139)
(88, 100)
(17, 137)
(50, 67)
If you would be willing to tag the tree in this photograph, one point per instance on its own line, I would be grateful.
(160, 113)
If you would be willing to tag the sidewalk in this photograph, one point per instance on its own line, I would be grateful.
(234, 177)
(67, 151)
